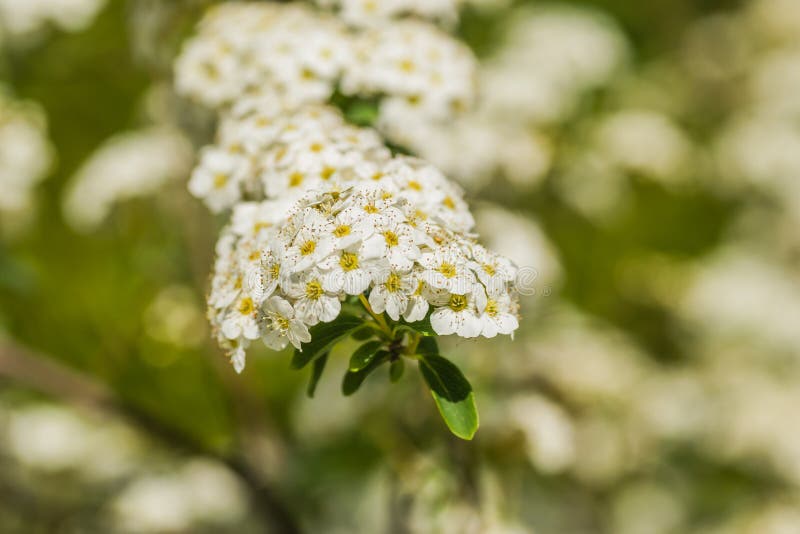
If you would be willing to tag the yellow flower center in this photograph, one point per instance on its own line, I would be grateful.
(415, 185)
(448, 202)
(377, 176)
(369, 208)
(220, 180)
(491, 308)
(447, 269)
(275, 270)
(211, 71)
(348, 261)
(246, 306)
(296, 179)
(316, 147)
(327, 172)
(261, 225)
(308, 74)
(457, 302)
(413, 100)
(407, 65)
(489, 269)
(254, 255)
(420, 287)
(237, 284)
(308, 247)
(314, 290)
(341, 230)
(393, 283)
(282, 322)
(391, 238)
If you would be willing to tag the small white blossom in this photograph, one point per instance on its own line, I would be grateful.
(458, 314)
(218, 178)
(282, 325)
(312, 302)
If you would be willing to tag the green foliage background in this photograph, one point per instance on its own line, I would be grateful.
(79, 299)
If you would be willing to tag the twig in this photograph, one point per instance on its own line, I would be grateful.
(47, 376)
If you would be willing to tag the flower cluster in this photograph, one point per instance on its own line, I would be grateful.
(244, 48)
(371, 12)
(420, 70)
(25, 156)
(285, 266)
(268, 150)
(300, 55)
(323, 214)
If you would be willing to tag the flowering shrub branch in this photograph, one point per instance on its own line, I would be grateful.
(331, 235)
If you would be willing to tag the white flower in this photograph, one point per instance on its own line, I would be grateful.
(391, 292)
(313, 242)
(282, 326)
(393, 240)
(418, 305)
(458, 314)
(493, 271)
(447, 268)
(349, 227)
(218, 178)
(258, 219)
(207, 71)
(240, 320)
(497, 317)
(237, 356)
(312, 302)
(347, 271)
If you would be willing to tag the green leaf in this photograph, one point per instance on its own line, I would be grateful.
(353, 379)
(362, 113)
(363, 355)
(316, 372)
(453, 395)
(396, 369)
(362, 334)
(428, 347)
(323, 337)
(422, 327)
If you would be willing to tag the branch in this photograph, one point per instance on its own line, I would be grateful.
(47, 376)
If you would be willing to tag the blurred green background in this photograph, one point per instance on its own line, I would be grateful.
(649, 389)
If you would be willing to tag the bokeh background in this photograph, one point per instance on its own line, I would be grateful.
(642, 157)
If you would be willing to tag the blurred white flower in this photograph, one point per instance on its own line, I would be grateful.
(775, 84)
(645, 142)
(737, 294)
(20, 18)
(128, 165)
(54, 438)
(200, 491)
(371, 12)
(522, 240)
(552, 57)
(775, 19)
(548, 432)
(176, 317)
(647, 508)
(25, 158)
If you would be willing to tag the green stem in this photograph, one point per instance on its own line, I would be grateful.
(412, 347)
(378, 319)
